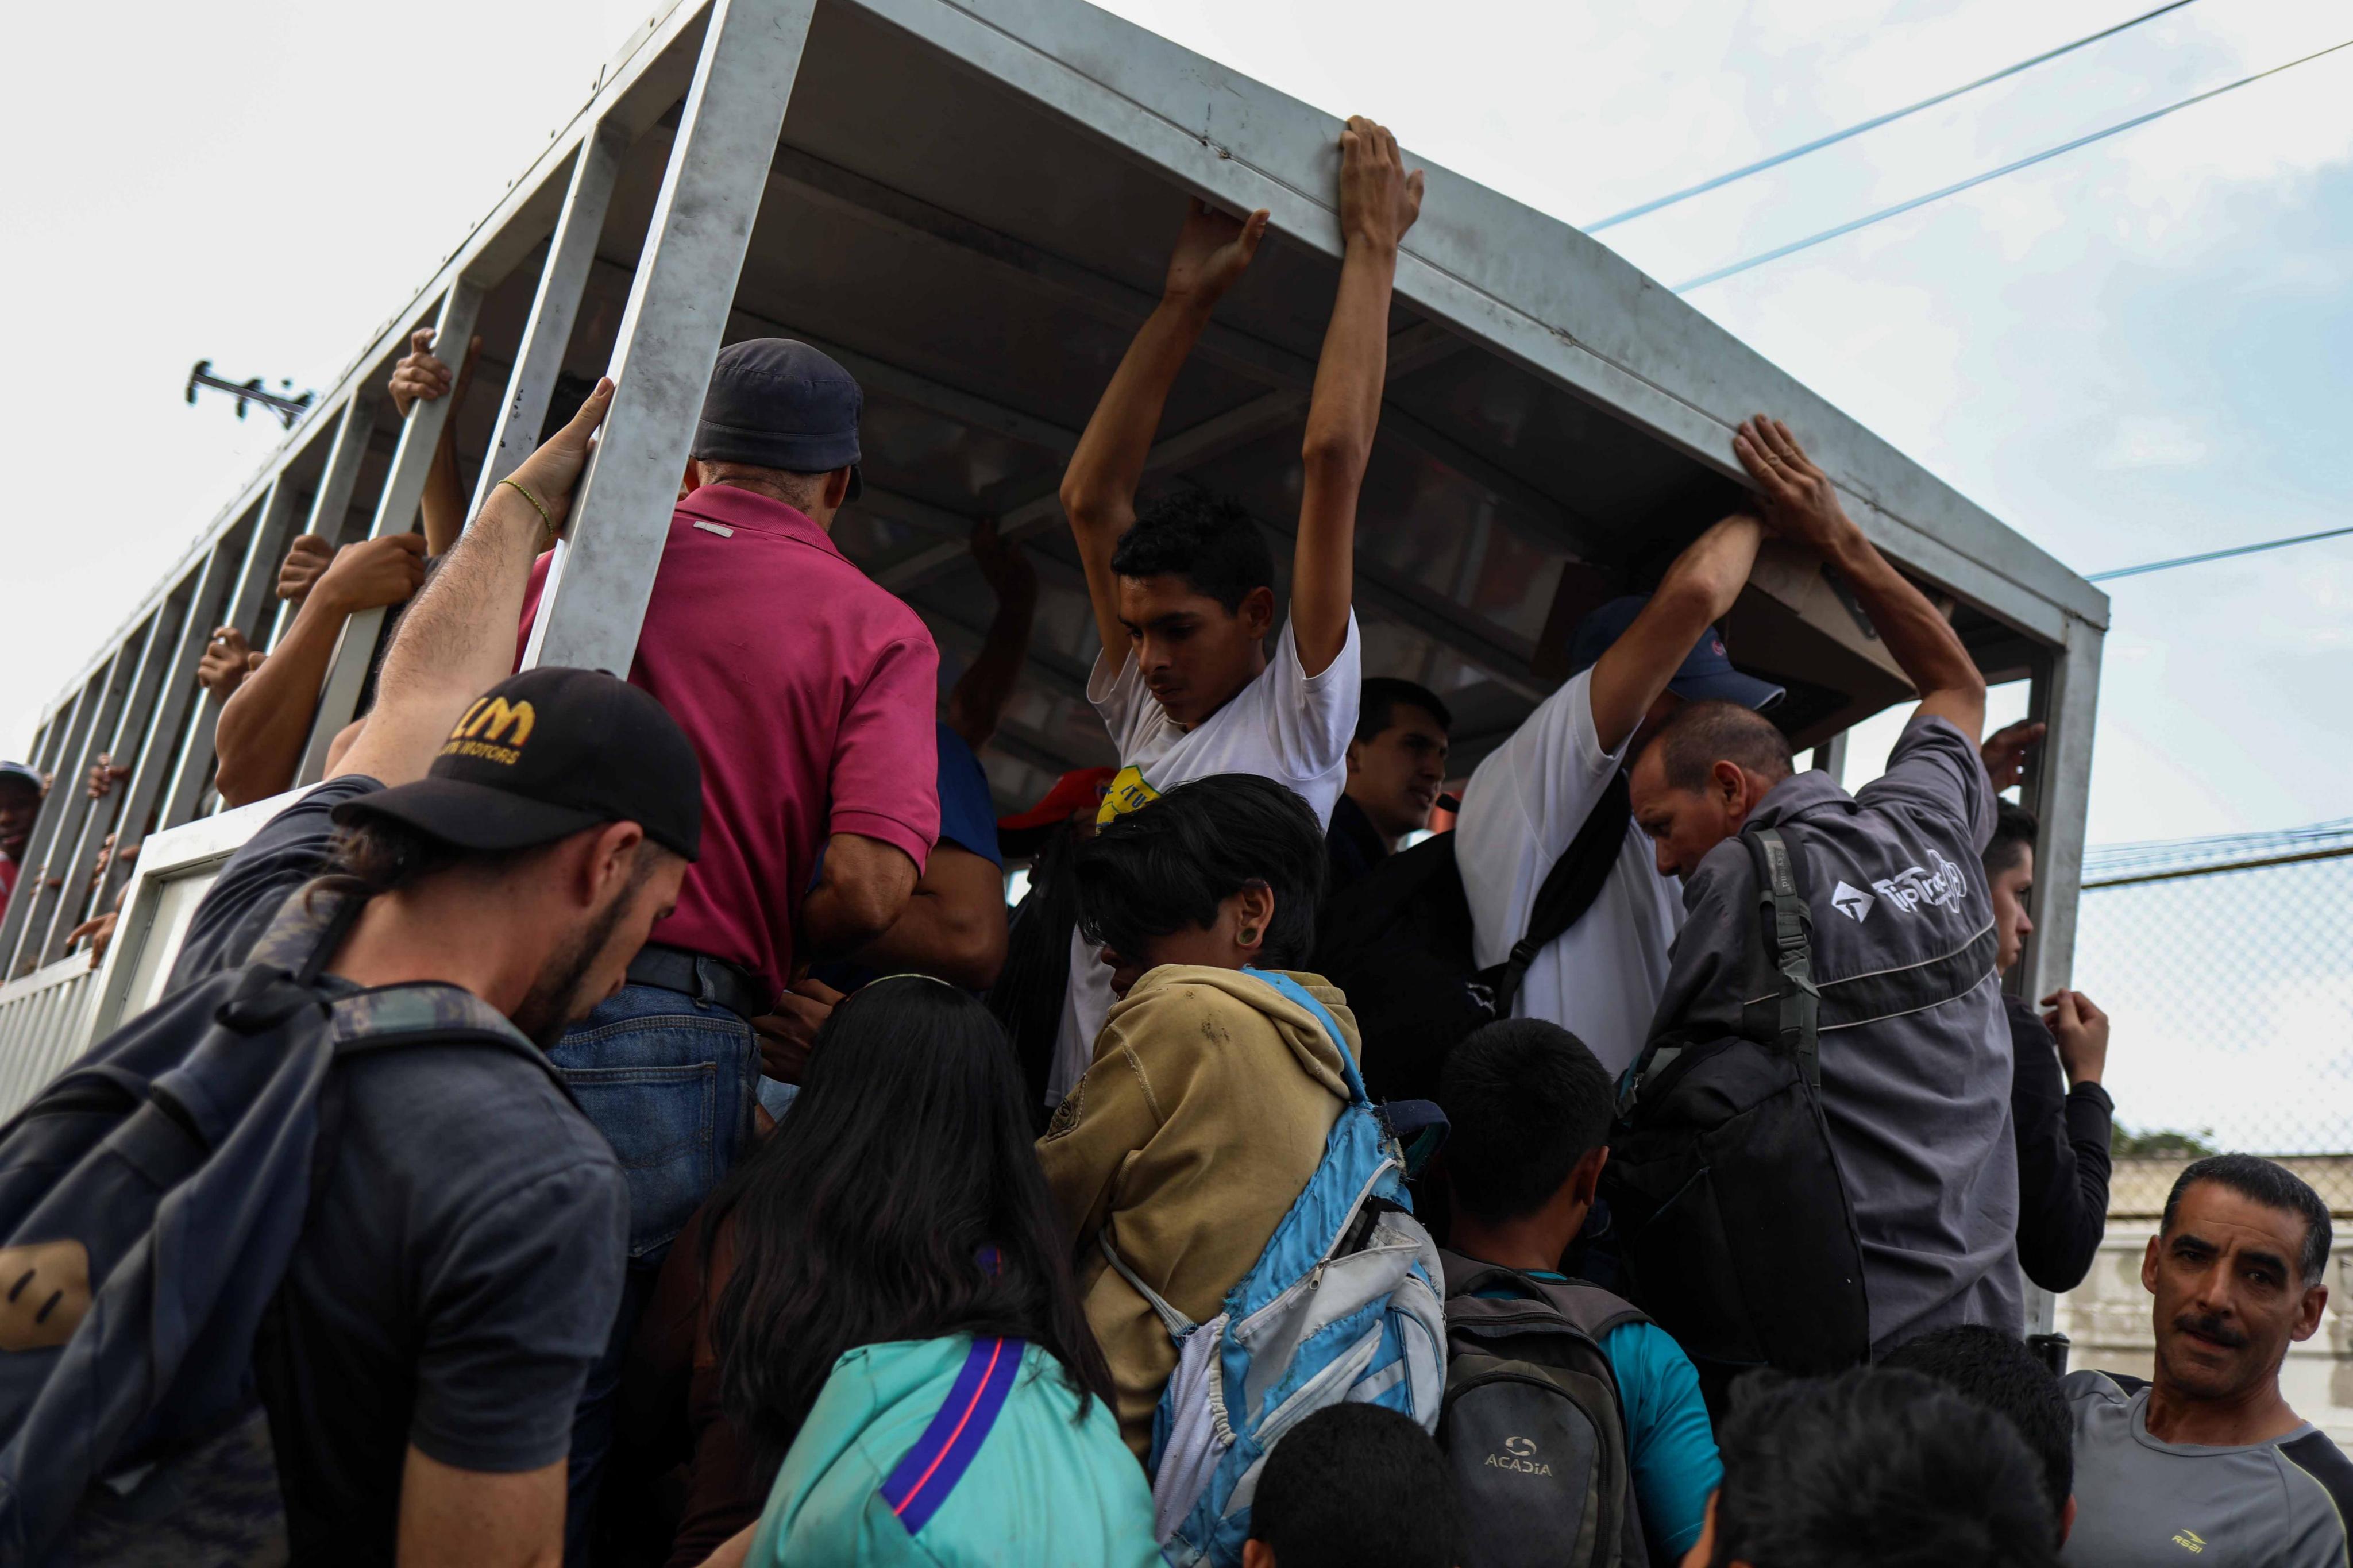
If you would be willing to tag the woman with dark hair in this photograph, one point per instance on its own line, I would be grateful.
(1216, 1080)
(898, 1336)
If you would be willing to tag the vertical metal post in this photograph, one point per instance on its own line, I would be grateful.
(51, 739)
(182, 777)
(1830, 757)
(146, 676)
(333, 499)
(62, 812)
(2065, 695)
(395, 512)
(157, 753)
(597, 585)
(571, 253)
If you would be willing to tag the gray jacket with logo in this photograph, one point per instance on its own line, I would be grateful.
(1916, 1055)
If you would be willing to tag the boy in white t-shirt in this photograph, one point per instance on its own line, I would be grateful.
(1184, 593)
(1640, 659)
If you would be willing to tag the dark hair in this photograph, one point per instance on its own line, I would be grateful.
(1357, 1484)
(1207, 540)
(383, 854)
(1383, 695)
(1525, 1101)
(901, 1198)
(1170, 864)
(1989, 1367)
(1701, 734)
(2014, 828)
(2272, 1185)
(1874, 1468)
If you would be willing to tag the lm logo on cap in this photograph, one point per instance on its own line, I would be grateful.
(482, 731)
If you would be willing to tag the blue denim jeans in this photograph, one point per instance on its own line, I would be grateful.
(670, 1082)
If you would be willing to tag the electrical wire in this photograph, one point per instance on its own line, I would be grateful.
(1975, 180)
(2216, 555)
(1872, 124)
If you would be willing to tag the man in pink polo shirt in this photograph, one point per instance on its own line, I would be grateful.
(809, 694)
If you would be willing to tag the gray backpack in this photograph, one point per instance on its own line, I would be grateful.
(1533, 1428)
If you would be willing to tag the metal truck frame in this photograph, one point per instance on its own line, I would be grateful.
(966, 202)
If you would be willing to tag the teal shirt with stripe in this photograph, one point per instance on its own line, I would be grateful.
(1040, 1485)
(1671, 1445)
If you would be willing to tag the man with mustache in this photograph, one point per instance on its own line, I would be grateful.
(2207, 1460)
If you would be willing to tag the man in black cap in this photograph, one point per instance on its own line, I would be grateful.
(464, 1252)
(810, 694)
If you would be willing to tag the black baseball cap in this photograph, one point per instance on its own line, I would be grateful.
(544, 755)
(779, 404)
(1705, 672)
(19, 773)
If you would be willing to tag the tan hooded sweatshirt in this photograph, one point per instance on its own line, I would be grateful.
(1203, 1116)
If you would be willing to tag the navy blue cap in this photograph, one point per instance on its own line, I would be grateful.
(28, 777)
(777, 404)
(1707, 672)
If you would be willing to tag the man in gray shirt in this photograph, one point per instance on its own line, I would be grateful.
(2208, 1461)
(1916, 1063)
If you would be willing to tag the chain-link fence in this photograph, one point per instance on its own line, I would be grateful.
(2227, 967)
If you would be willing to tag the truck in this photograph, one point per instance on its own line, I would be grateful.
(968, 203)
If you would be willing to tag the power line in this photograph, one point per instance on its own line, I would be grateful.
(2216, 555)
(1975, 180)
(1836, 136)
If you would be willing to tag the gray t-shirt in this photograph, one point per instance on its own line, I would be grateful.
(2282, 1504)
(1914, 1049)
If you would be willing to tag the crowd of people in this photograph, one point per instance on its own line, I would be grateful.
(699, 1162)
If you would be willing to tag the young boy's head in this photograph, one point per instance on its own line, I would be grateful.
(1196, 596)
(1989, 1367)
(1355, 1486)
(1528, 1110)
(1871, 1469)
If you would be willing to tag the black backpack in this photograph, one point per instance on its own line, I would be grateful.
(1534, 1428)
(1399, 945)
(1732, 1220)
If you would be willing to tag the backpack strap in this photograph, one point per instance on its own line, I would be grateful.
(1584, 1306)
(1569, 888)
(1179, 1325)
(1293, 991)
(1790, 941)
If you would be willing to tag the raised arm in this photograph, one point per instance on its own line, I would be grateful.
(1379, 202)
(267, 720)
(1098, 485)
(458, 639)
(1802, 505)
(979, 697)
(1698, 588)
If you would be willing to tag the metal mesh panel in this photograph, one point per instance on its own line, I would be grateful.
(2227, 967)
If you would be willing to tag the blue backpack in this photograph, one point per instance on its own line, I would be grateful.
(150, 1200)
(1343, 1305)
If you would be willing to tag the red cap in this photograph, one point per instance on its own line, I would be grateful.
(1082, 789)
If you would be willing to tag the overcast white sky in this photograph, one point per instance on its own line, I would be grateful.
(2137, 351)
